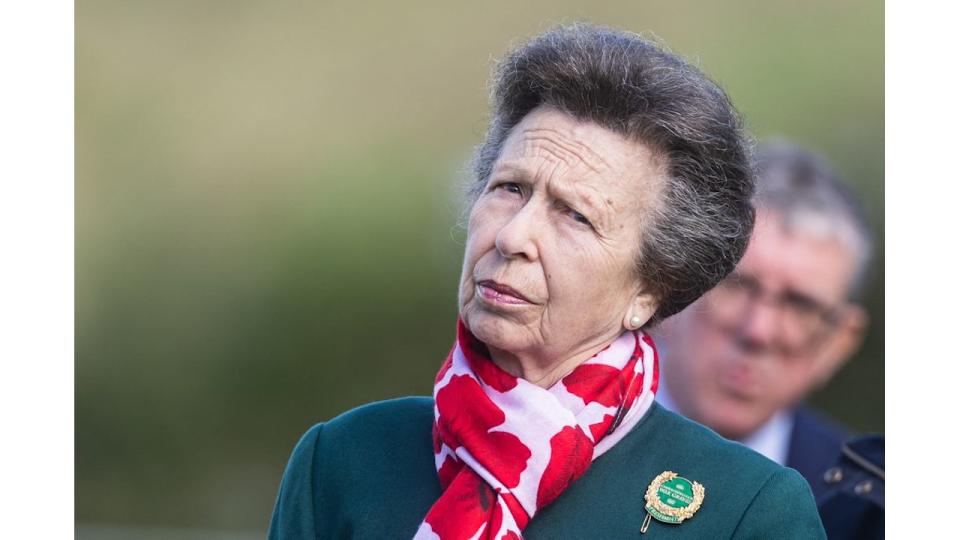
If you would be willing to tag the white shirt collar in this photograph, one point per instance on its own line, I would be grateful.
(772, 439)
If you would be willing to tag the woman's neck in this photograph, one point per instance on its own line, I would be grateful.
(543, 368)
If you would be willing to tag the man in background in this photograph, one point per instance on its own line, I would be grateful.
(742, 358)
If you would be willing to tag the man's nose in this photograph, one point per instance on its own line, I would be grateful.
(759, 325)
(516, 239)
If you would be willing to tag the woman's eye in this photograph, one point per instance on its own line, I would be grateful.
(511, 187)
(577, 216)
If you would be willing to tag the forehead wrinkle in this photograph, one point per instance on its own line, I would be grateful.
(567, 149)
(596, 163)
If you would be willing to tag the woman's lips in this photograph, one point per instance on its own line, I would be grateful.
(499, 293)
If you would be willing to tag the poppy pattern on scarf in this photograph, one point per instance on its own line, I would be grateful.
(505, 448)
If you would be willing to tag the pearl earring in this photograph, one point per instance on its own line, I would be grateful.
(635, 321)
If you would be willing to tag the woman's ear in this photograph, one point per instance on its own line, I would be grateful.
(640, 310)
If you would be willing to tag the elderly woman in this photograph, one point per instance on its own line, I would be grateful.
(612, 190)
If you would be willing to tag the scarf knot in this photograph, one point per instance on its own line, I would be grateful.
(505, 448)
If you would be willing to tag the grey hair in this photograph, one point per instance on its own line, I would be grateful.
(699, 228)
(800, 187)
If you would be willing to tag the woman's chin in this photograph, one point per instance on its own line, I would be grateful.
(497, 330)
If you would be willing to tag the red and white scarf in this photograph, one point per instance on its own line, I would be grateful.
(505, 447)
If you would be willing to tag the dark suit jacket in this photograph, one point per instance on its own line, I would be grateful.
(854, 508)
(815, 445)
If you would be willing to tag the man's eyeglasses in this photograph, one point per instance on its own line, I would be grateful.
(802, 320)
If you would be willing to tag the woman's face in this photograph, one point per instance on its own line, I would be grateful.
(548, 269)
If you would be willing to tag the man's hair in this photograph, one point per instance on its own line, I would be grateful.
(699, 228)
(809, 196)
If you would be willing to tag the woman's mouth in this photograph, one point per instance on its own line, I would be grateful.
(498, 293)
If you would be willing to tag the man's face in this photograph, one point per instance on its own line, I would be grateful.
(764, 337)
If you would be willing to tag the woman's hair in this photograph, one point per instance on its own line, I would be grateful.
(699, 228)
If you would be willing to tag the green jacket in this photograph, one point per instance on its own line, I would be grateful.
(369, 473)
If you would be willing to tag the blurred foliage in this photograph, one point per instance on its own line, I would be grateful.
(267, 207)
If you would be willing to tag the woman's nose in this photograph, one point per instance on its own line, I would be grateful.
(517, 237)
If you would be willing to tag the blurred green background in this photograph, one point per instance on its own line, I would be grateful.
(267, 202)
